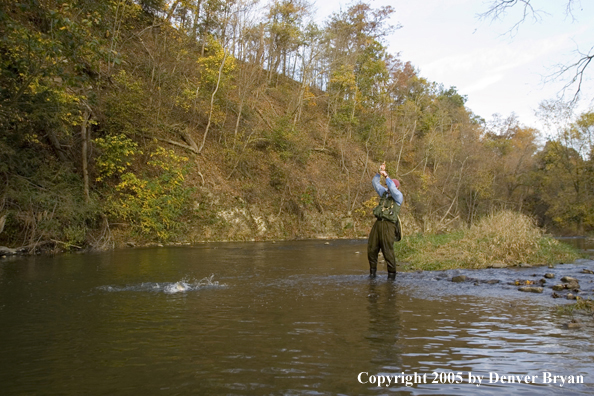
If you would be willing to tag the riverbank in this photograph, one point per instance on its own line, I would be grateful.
(499, 240)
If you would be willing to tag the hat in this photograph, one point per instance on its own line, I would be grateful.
(396, 182)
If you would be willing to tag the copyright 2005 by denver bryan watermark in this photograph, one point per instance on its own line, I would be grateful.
(459, 377)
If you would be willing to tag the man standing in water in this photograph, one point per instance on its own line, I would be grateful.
(383, 232)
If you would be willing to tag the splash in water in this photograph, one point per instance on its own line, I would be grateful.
(182, 286)
(185, 285)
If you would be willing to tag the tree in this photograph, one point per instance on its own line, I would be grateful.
(514, 147)
(563, 196)
(284, 32)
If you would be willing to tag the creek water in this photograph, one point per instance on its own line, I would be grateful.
(290, 318)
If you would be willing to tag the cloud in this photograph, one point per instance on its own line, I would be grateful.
(482, 83)
(495, 59)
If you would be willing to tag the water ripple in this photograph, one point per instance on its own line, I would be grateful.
(181, 286)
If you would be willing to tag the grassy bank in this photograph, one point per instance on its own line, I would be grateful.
(582, 306)
(505, 237)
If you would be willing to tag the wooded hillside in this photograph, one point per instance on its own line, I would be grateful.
(192, 120)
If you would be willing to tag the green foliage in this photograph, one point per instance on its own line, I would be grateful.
(45, 203)
(126, 110)
(288, 141)
(452, 97)
(563, 195)
(44, 69)
(417, 250)
(154, 204)
(308, 197)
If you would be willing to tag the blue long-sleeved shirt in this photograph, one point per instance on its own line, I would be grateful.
(392, 189)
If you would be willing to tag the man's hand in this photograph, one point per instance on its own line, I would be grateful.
(383, 167)
(383, 173)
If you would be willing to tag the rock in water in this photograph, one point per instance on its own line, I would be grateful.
(459, 278)
(568, 279)
(6, 251)
(572, 285)
(498, 265)
(531, 289)
(573, 325)
(548, 275)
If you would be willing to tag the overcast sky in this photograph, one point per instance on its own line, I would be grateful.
(499, 73)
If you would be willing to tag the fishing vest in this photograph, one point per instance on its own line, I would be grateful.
(387, 209)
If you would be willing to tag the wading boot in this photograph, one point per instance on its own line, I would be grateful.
(391, 275)
(372, 272)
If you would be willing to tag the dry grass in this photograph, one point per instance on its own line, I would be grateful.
(504, 237)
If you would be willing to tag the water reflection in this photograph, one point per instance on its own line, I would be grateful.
(582, 243)
(384, 324)
(286, 318)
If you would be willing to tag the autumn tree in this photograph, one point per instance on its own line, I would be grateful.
(514, 147)
(284, 33)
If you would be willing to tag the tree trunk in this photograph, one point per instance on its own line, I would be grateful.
(212, 100)
(84, 132)
(172, 10)
(238, 117)
(57, 146)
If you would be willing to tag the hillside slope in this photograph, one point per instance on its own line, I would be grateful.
(186, 121)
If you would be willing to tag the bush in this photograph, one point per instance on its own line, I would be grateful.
(45, 204)
(154, 204)
(505, 237)
(115, 155)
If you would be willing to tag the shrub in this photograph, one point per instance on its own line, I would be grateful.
(153, 205)
(505, 237)
(46, 205)
(116, 153)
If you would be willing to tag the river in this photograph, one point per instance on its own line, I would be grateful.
(287, 318)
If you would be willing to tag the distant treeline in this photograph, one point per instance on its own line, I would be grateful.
(108, 109)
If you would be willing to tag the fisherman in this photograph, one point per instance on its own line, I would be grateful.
(383, 232)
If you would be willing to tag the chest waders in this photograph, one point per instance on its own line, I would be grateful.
(387, 209)
(383, 235)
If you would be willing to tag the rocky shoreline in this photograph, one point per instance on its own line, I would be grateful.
(567, 286)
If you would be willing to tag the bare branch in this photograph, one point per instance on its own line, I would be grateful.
(577, 69)
(500, 8)
(569, 9)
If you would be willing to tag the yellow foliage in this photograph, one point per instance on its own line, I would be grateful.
(116, 153)
(153, 205)
(367, 206)
(210, 65)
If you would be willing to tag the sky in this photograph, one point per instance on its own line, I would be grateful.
(500, 73)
